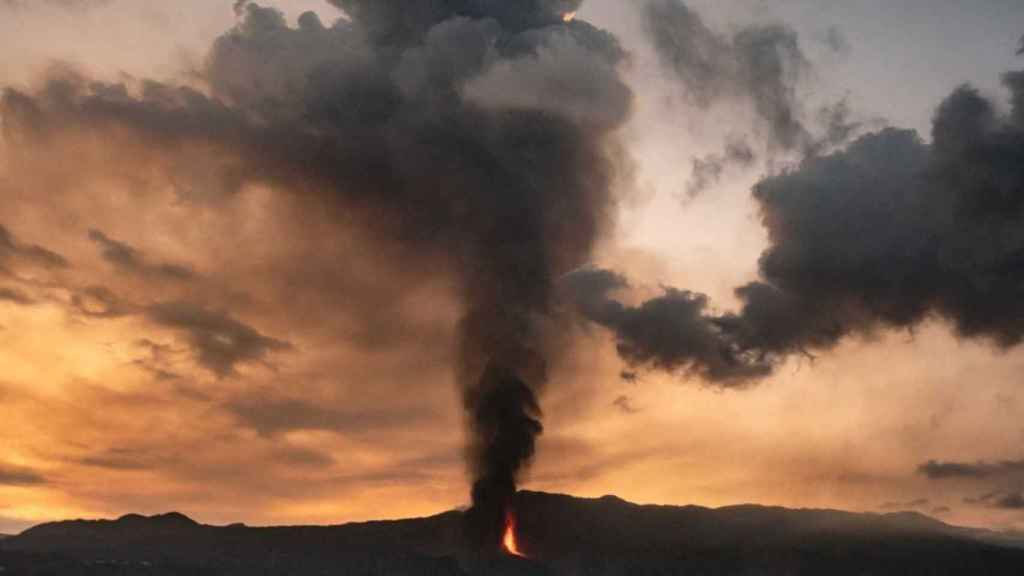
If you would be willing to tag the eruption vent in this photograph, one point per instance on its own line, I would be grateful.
(508, 541)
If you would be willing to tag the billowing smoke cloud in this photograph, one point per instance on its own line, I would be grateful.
(674, 332)
(887, 233)
(477, 133)
(760, 65)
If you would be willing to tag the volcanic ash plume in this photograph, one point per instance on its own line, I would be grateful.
(887, 233)
(475, 133)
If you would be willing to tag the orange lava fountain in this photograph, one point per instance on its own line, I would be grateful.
(508, 541)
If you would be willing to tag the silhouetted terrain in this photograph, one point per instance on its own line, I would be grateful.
(562, 534)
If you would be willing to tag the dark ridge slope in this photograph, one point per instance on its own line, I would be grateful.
(562, 534)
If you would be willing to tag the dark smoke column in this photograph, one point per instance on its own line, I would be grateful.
(521, 161)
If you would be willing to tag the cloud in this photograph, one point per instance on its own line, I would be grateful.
(100, 302)
(886, 233)
(10, 248)
(836, 40)
(1012, 501)
(709, 169)
(273, 416)
(672, 332)
(916, 503)
(982, 499)
(129, 259)
(937, 470)
(123, 459)
(625, 405)
(218, 341)
(14, 296)
(1004, 500)
(1005, 476)
(760, 65)
(18, 476)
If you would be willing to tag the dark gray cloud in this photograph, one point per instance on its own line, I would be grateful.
(19, 476)
(760, 64)
(708, 170)
(836, 40)
(937, 470)
(218, 341)
(886, 233)
(998, 499)
(836, 126)
(129, 259)
(674, 332)
(272, 416)
(11, 249)
(1003, 479)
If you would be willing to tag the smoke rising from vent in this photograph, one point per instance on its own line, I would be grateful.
(477, 133)
(887, 233)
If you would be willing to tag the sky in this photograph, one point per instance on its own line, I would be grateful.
(197, 314)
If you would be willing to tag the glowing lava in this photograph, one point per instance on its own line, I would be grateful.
(508, 541)
(568, 16)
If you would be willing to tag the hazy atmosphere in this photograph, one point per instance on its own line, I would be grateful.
(268, 262)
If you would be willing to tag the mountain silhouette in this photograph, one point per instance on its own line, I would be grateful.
(562, 535)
